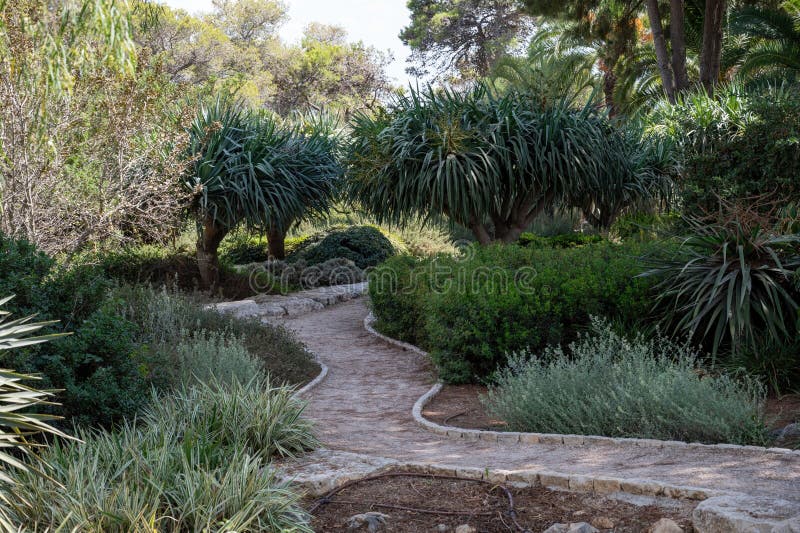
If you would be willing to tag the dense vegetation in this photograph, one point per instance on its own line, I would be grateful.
(635, 162)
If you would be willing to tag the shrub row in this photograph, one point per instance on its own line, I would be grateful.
(126, 340)
(469, 312)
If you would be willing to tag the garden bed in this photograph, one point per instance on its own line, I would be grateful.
(460, 406)
(485, 507)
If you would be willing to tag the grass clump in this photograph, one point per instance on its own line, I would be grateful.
(196, 461)
(605, 384)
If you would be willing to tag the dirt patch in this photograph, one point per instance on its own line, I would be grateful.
(460, 406)
(485, 507)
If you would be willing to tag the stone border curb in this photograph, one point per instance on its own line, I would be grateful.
(323, 373)
(717, 511)
(548, 438)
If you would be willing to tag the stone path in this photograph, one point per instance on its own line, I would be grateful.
(364, 406)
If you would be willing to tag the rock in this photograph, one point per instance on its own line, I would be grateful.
(442, 528)
(578, 527)
(665, 525)
(724, 514)
(372, 520)
(464, 528)
(788, 435)
(603, 522)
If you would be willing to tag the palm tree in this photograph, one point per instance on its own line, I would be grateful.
(773, 42)
(249, 168)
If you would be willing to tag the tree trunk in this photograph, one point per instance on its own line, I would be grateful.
(677, 37)
(710, 55)
(276, 241)
(479, 231)
(207, 253)
(660, 45)
(609, 85)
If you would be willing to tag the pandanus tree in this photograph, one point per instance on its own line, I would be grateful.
(250, 168)
(491, 162)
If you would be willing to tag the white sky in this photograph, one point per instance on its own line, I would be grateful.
(375, 22)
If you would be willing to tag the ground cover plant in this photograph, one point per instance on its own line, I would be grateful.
(606, 384)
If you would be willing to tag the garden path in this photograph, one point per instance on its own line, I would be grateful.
(364, 406)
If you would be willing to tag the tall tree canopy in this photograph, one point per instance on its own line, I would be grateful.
(462, 36)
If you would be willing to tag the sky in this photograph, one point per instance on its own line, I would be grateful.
(375, 22)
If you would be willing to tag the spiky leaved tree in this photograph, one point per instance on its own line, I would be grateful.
(491, 162)
(249, 168)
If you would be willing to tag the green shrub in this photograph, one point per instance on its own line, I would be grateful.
(735, 144)
(198, 461)
(163, 319)
(469, 312)
(203, 357)
(282, 276)
(241, 248)
(642, 226)
(607, 385)
(365, 246)
(566, 240)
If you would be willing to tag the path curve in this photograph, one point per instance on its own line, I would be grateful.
(364, 406)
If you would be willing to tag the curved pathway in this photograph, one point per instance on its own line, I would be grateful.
(364, 406)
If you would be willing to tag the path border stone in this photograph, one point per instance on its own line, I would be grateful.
(457, 433)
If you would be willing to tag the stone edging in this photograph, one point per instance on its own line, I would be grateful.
(717, 512)
(323, 373)
(547, 438)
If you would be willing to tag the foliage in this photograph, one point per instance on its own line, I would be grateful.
(242, 248)
(608, 385)
(462, 37)
(203, 357)
(236, 49)
(773, 49)
(197, 461)
(17, 422)
(522, 156)
(451, 306)
(74, 171)
(731, 284)
(645, 226)
(734, 145)
(248, 168)
(366, 246)
(166, 319)
(567, 240)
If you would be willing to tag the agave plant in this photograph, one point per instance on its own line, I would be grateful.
(732, 285)
(250, 168)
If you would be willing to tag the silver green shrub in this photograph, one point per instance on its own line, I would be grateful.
(205, 357)
(605, 384)
(195, 462)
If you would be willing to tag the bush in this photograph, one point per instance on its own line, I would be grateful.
(165, 319)
(470, 312)
(241, 248)
(736, 144)
(607, 385)
(365, 246)
(566, 240)
(97, 368)
(280, 276)
(203, 357)
(198, 461)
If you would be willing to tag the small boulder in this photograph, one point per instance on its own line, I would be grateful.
(464, 528)
(788, 435)
(442, 528)
(578, 527)
(603, 522)
(665, 525)
(373, 521)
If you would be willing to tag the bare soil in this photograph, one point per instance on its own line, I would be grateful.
(484, 507)
(460, 406)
